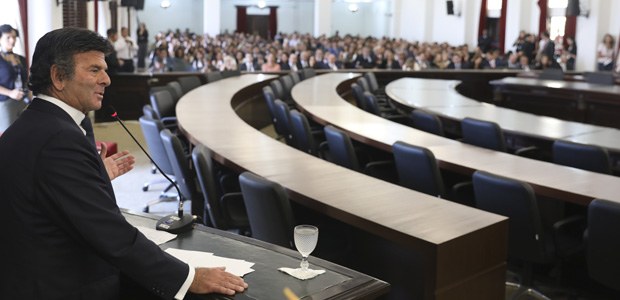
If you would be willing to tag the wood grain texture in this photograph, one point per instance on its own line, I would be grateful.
(423, 224)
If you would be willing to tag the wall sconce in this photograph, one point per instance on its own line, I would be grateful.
(353, 7)
(165, 4)
(261, 4)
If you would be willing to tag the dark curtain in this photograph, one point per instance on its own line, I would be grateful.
(96, 15)
(23, 12)
(273, 21)
(242, 18)
(502, 26)
(570, 28)
(542, 21)
(482, 23)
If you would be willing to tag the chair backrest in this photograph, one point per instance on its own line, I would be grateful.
(270, 99)
(427, 121)
(372, 81)
(205, 173)
(163, 104)
(283, 120)
(175, 90)
(230, 73)
(603, 242)
(606, 78)
(363, 82)
(417, 169)
(189, 83)
(515, 200)
(149, 112)
(370, 104)
(278, 89)
(586, 157)
(269, 210)
(287, 85)
(483, 134)
(295, 76)
(341, 151)
(358, 95)
(552, 74)
(302, 134)
(180, 165)
(307, 73)
(151, 129)
(213, 76)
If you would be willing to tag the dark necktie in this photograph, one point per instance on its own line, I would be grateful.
(88, 127)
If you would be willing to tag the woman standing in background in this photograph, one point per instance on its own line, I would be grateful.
(143, 44)
(13, 78)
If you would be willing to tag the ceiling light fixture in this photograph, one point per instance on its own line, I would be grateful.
(165, 4)
(261, 4)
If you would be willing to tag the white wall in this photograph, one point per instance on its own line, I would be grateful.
(181, 14)
(447, 28)
(46, 17)
(413, 16)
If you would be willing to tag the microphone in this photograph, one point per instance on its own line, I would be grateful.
(174, 223)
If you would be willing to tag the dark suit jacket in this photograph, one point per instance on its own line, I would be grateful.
(65, 237)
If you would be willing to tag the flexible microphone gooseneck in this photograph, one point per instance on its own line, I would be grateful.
(171, 223)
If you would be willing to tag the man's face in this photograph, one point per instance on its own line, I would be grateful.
(85, 90)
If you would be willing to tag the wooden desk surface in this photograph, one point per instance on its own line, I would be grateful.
(596, 103)
(559, 84)
(508, 119)
(318, 97)
(266, 282)
(437, 229)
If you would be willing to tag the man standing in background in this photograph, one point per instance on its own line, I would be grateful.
(125, 48)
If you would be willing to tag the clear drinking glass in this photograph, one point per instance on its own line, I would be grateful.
(306, 237)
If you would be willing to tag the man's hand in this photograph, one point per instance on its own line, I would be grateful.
(216, 280)
(117, 164)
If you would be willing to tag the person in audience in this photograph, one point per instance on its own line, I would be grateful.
(160, 62)
(293, 63)
(68, 238)
(529, 47)
(524, 63)
(248, 64)
(200, 62)
(125, 49)
(366, 60)
(114, 64)
(493, 60)
(513, 61)
(284, 62)
(13, 78)
(178, 62)
(545, 47)
(270, 65)
(143, 44)
(230, 64)
(389, 62)
(320, 63)
(571, 51)
(411, 65)
(457, 63)
(332, 62)
(485, 42)
(547, 62)
(605, 53)
(478, 62)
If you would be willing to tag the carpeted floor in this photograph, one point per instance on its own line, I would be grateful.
(128, 188)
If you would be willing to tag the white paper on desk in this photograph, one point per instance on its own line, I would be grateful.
(208, 260)
(157, 236)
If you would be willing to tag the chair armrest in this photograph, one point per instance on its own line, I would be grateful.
(463, 193)
(568, 235)
(234, 211)
(384, 169)
(529, 152)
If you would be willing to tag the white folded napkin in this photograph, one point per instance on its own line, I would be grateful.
(303, 275)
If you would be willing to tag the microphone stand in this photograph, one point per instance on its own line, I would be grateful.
(174, 223)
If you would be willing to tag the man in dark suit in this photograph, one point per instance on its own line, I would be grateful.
(65, 237)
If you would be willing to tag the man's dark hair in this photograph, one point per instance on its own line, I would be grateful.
(111, 31)
(58, 47)
(6, 28)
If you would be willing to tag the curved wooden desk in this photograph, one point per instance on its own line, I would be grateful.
(318, 97)
(425, 247)
(441, 97)
(569, 100)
